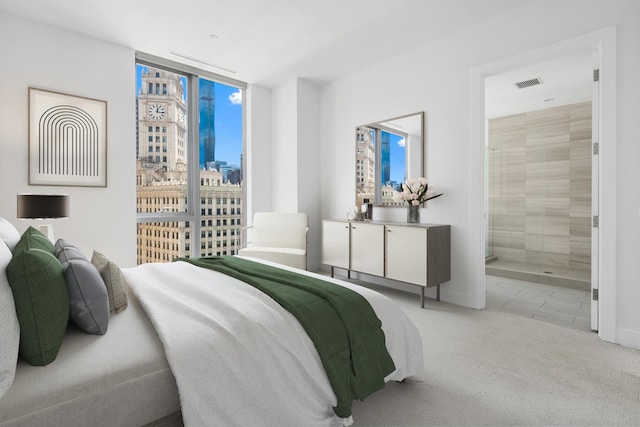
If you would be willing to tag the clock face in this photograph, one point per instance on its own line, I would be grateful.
(156, 111)
(181, 116)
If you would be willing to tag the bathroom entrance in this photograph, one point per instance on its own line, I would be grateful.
(538, 183)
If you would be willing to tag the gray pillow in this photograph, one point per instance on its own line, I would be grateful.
(88, 299)
(9, 327)
(9, 234)
(66, 251)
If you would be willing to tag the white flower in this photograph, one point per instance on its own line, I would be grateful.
(415, 192)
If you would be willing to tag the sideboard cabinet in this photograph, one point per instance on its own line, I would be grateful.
(419, 254)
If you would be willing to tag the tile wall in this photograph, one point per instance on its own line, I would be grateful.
(539, 181)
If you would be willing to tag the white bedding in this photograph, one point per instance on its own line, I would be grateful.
(240, 359)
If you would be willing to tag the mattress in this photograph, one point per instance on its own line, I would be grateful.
(119, 379)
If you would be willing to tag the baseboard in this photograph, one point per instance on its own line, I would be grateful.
(628, 338)
(545, 279)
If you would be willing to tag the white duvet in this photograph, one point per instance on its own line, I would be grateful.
(240, 359)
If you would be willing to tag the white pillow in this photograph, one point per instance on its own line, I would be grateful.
(9, 327)
(8, 234)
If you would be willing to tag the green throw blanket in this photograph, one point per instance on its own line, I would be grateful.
(339, 321)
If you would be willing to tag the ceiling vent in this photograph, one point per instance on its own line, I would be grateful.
(528, 83)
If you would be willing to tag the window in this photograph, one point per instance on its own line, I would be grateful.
(199, 164)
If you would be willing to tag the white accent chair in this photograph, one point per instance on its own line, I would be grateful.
(279, 237)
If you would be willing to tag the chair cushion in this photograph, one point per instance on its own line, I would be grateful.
(9, 327)
(279, 229)
(286, 256)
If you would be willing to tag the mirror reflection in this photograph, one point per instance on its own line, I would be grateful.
(387, 153)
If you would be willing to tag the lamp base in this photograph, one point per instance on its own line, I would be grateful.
(47, 230)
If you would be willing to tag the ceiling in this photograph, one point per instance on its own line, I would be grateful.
(265, 42)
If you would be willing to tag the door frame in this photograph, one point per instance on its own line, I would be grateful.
(604, 41)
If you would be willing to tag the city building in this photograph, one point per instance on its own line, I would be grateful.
(161, 175)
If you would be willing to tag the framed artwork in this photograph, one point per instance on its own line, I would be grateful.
(67, 140)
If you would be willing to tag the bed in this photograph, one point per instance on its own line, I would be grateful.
(222, 355)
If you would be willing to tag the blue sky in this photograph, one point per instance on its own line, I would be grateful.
(228, 120)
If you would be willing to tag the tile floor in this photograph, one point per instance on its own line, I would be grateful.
(553, 304)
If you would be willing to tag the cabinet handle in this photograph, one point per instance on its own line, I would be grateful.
(346, 226)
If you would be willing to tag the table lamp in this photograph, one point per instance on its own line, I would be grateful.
(42, 206)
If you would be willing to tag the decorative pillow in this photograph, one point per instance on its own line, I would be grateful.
(66, 251)
(37, 280)
(9, 327)
(88, 300)
(113, 280)
(33, 238)
(9, 234)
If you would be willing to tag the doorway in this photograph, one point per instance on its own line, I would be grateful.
(604, 273)
(539, 189)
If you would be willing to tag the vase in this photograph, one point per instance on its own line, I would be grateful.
(413, 214)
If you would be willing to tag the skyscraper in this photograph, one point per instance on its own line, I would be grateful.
(207, 105)
(385, 157)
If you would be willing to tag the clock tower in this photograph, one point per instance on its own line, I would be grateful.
(162, 129)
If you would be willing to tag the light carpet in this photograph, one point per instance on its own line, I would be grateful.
(488, 368)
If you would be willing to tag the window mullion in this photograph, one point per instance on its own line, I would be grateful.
(193, 154)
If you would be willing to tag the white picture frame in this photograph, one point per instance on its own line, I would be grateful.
(67, 139)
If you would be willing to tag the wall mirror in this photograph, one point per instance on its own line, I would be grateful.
(387, 153)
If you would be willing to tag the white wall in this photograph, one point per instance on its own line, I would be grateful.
(41, 56)
(436, 78)
(284, 144)
(258, 148)
(295, 157)
(309, 143)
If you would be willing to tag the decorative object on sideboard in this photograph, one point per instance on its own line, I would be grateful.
(413, 214)
(67, 139)
(43, 206)
(415, 193)
(362, 212)
(368, 213)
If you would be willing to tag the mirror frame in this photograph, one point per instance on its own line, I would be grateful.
(414, 156)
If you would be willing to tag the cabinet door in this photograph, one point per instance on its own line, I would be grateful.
(407, 254)
(335, 244)
(367, 248)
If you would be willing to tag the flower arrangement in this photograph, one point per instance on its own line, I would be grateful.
(415, 192)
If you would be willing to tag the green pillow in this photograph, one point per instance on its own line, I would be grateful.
(40, 293)
(32, 238)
